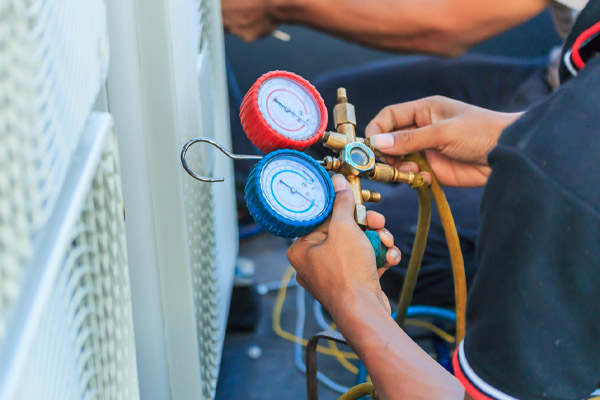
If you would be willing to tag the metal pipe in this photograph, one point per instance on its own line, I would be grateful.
(218, 146)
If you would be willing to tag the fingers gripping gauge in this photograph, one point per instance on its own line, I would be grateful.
(283, 111)
(289, 194)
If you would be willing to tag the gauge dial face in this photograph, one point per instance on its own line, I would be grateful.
(294, 188)
(289, 108)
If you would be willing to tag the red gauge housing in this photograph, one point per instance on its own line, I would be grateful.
(261, 133)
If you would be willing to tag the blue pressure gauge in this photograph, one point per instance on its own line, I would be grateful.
(289, 194)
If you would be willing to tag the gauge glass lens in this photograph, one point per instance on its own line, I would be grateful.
(359, 156)
(294, 188)
(289, 108)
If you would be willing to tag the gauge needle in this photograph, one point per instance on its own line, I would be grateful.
(289, 110)
(294, 190)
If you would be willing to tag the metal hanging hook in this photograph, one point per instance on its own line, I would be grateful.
(218, 146)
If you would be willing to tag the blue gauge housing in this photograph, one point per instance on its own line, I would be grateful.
(272, 220)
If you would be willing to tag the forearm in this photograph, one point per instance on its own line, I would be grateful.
(399, 368)
(445, 27)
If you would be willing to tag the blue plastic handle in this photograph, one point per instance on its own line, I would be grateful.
(378, 247)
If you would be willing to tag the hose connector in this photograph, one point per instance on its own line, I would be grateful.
(388, 174)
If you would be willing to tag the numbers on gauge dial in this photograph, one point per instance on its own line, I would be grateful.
(289, 108)
(293, 188)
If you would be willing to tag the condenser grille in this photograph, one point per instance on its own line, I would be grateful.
(53, 61)
(83, 346)
(208, 305)
(211, 267)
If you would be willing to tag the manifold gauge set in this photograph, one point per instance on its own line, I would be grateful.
(288, 192)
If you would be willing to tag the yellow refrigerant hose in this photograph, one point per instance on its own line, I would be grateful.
(456, 259)
(418, 250)
(358, 391)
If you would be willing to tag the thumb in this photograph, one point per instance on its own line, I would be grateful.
(408, 141)
(343, 207)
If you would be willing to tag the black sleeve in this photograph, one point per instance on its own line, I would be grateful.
(533, 328)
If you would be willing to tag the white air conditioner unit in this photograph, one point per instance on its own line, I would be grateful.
(66, 327)
(77, 283)
(167, 85)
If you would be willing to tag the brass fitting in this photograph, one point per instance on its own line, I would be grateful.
(371, 196)
(332, 164)
(357, 158)
(344, 116)
(334, 140)
(343, 112)
(387, 174)
(360, 215)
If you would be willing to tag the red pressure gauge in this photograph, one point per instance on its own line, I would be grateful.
(283, 111)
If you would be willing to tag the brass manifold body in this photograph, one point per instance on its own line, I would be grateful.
(357, 159)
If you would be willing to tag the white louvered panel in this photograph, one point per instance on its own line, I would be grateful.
(225, 231)
(202, 112)
(77, 332)
(213, 254)
(56, 59)
(168, 72)
(53, 355)
(53, 60)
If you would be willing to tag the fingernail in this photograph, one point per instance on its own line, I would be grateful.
(339, 182)
(395, 254)
(384, 141)
(386, 232)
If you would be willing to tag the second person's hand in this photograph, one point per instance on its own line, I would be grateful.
(453, 136)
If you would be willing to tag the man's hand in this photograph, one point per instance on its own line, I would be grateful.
(336, 264)
(248, 19)
(454, 137)
(336, 261)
